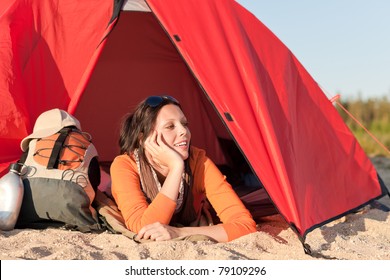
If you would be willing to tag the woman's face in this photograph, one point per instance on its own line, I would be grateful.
(173, 126)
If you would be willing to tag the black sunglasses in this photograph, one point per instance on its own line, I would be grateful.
(154, 101)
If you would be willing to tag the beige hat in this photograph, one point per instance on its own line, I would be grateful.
(48, 123)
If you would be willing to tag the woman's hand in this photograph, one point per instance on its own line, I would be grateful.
(161, 232)
(160, 155)
(158, 232)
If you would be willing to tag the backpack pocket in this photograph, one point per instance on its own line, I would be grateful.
(48, 201)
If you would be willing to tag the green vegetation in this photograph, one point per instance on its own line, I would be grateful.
(374, 114)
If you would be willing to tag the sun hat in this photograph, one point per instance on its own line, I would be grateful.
(48, 123)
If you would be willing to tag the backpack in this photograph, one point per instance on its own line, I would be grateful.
(61, 174)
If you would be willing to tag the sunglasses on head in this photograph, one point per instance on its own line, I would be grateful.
(156, 100)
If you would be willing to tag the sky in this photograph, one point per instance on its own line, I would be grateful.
(343, 44)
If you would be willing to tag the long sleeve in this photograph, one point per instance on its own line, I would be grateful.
(236, 219)
(131, 201)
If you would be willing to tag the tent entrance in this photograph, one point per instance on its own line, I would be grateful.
(139, 60)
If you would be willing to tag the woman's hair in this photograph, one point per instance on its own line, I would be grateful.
(135, 128)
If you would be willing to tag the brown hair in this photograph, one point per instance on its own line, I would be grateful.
(135, 128)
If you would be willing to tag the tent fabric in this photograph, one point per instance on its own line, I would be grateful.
(234, 78)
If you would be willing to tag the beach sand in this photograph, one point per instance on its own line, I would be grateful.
(364, 235)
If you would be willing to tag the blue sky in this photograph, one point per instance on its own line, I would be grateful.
(344, 44)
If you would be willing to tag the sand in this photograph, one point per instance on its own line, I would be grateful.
(364, 235)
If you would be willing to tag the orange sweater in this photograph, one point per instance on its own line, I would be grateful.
(207, 179)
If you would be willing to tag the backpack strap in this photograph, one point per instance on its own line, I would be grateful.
(55, 154)
(23, 158)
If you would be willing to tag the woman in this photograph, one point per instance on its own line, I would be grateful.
(160, 180)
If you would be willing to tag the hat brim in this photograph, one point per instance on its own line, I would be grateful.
(36, 135)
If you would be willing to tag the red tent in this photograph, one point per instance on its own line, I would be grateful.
(233, 77)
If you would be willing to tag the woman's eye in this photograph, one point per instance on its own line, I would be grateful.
(184, 124)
